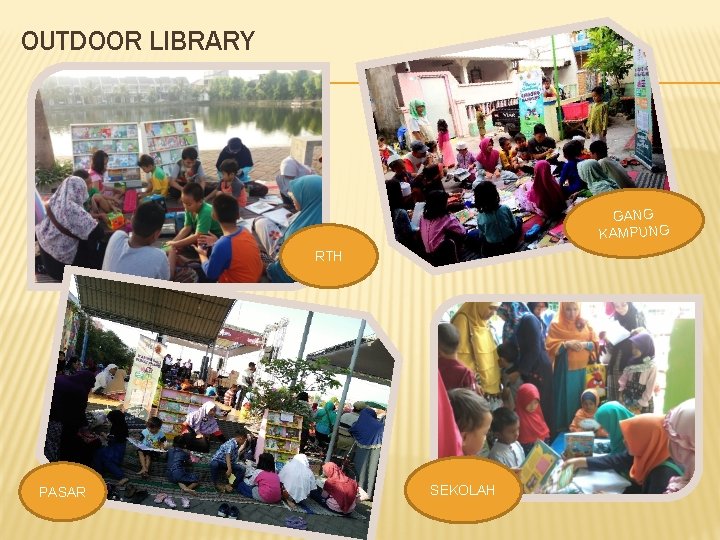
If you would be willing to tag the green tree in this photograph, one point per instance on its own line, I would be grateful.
(611, 55)
(297, 83)
(104, 346)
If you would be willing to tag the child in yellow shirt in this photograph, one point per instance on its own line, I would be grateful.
(159, 183)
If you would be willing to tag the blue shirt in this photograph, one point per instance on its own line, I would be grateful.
(176, 459)
(570, 173)
(211, 391)
(228, 447)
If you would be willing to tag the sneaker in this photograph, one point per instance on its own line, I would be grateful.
(234, 513)
(223, 510)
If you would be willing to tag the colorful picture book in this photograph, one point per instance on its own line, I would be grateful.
(280, 433)
(579, 444)
(536, 469)
(165, 140)
(120, 141)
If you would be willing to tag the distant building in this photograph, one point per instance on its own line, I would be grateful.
(63, 91)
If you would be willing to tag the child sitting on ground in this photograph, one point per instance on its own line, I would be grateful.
(454, 373)
(570, 180)
(532, 422)
(228, 457)
(473, 418)
(230, 183)
(506, 429)
(434, 157)
(498, 231)
(613, 169)
(235, 257)
(511, 380)
(589, 402)
(151, 437)
(178, 457)
(198, 219)
(266, 485)
(508, 159)
(110, 457)
(159, 183)
(584, 154)
(104, 199)
(441, 232)
(135, 254)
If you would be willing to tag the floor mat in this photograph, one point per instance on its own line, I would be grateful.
(647, 179)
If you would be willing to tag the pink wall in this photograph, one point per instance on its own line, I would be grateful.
(410, 88)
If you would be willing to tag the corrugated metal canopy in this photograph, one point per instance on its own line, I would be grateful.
(374, 362)
(194, 317)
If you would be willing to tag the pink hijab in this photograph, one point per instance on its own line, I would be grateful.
(680, 426)
(488, 161)
(449, 439)
(546, 193)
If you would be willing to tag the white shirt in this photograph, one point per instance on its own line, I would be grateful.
(146, 261)
(510, 455)
(292, 168)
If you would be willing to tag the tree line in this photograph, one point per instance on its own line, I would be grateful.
(302, 85)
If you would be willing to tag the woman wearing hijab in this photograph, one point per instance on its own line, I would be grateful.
(449, 438)
(609, 415)
(478, 347)
(297, 480)
(636, 385)
(571, 344)
(533, 363)
(632, 320)
(325, 422)
(539, 309)
(542, 195)
(68, 234)
(489, 164)
(240, 153)
(104, 378)
(511, 313)
(419, 127)
(679, 424)
(202, 425)
(647, 458)
(306, 193)
(339, 492)
(67, 418)
(593, 175)
(368, 435)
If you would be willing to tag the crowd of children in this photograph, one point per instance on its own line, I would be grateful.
(544, 185)
(209, 247)
(533, 386)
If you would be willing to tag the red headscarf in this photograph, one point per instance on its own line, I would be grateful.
(532, 424)
(340, 487)
(449, 439)
(546, 193)
(488, 160)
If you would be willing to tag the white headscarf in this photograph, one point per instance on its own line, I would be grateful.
(104, 378)
(67, 207)
(297, 478)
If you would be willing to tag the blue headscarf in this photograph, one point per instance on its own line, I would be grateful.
(368, 430)
(307, 191)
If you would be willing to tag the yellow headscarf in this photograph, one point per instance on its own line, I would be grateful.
(563, 329)
(477, 349)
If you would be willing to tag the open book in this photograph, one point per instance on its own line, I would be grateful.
(140, 446)
(537, 468)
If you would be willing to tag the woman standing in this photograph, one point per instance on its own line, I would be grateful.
(632, 320)
(419, 126)
(69, 234)
(571, 344)
(104, 378)
(533, 364)
(325, 422)
(478, 347)
(368, 434)
(511, 313)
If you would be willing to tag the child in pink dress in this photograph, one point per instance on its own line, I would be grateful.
(444, 144)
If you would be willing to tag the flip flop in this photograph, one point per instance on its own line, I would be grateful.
(633, 161)
(185, 502)
(624, 162)
(296, 523)
(169, 502)
(160, 497)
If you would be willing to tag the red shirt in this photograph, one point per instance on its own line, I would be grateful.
(455, 374)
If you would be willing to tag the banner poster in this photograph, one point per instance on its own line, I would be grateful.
(530, 100)
(643, 110)
(70, 331)
(144, 377)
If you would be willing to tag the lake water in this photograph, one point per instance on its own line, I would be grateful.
(215, 124)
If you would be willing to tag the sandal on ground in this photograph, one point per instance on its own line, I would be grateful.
(296, 523)
(160, 497)
(223, 510)
(234, 513)
(169, 502)
(185, 502)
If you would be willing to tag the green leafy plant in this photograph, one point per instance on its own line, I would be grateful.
(59, 172)
(610, 55)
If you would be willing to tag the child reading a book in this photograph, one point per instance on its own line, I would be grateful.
(102, 199)
(186, 171)
(109, 458)
(498, 231)
(266, 485)
(505, 428)
(637, 382)
(532, 421)
(177, 459)
(511, 379)
(152, 437)
(228, 456)
(473, 418)
(198, 218)
(585, 416)
(159, 183)
(230, 183)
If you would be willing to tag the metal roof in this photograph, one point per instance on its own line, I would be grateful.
(193, 317)
(374, 362)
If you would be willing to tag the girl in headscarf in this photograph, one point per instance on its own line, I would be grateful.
(449, 438)
(110, 457)
(202, 424)
(609, 415)
(647, 459)
(339, 493)
(478, 347)
(542, 195)
(589, 402)
(637, 382)
(593, 175)
(297, 480)
(533, 363)
(306, 193)
(489, 164)
(368, 435)
(633, 321)
(571, 344)
(511, 313)
(325, 422)
(533, 427)
(68, 234)
(679, 424)
(419, 127)
(104, 378)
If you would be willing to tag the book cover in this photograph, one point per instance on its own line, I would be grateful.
(579, 444)
(536, 469)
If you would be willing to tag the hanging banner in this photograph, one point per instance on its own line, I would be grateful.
(530, 100)
(144, 377)
(643, 110)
